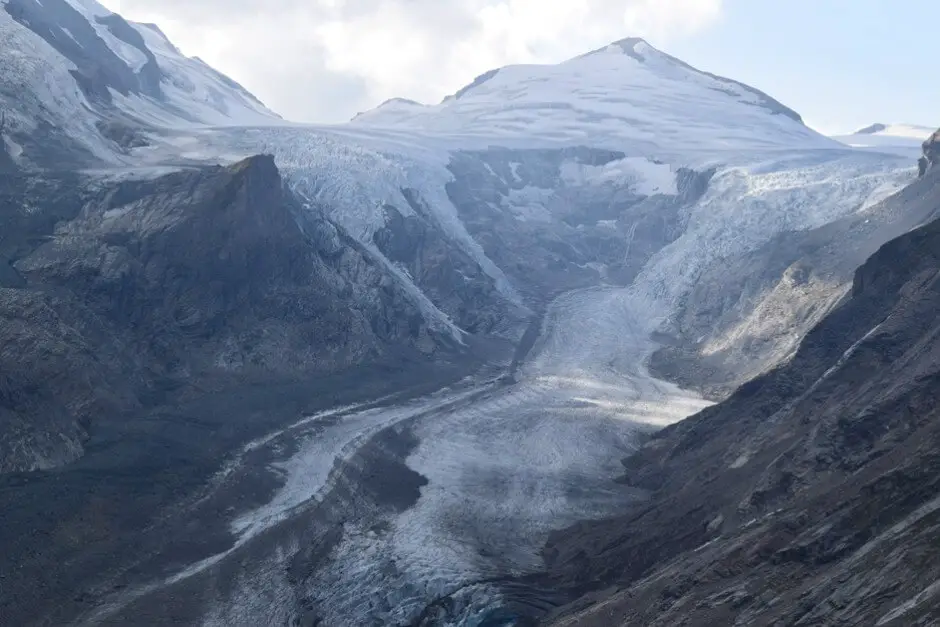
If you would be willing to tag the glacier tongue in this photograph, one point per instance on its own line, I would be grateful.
(504, 467)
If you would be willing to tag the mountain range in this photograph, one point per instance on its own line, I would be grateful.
(612, 341)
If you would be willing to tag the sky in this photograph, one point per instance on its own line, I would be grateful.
(843, 64)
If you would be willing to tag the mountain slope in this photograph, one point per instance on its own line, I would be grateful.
(746, 313)
(149, 330)
(80, 83)
(809, 496)
(196, 279)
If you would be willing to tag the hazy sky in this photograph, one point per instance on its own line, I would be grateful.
(843, 64)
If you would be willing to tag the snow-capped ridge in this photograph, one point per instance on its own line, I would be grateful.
(155, 29)
(91, 8)
(642, 51)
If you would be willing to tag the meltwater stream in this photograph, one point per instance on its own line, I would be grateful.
(413, 514)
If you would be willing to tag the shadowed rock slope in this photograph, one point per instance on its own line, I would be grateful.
(188, 283)
(810, 497)
(148, 329)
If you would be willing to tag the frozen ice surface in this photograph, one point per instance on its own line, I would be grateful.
(505, 466)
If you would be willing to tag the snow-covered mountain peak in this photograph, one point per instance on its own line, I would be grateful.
(631, 46)
(71, 66)
(627, 94)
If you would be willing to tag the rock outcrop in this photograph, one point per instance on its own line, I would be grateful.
(809, 497)
(931, 153)
(450, 278)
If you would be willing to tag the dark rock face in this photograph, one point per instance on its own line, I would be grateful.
(449, 276)
(148, 330)
(549, 233)
(125, 136)
(931, 153)
(6, 161)
(193, 279)
(809, 497)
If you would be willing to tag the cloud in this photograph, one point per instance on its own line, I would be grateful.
(325, 60)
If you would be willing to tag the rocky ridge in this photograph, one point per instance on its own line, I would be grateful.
(197, 279)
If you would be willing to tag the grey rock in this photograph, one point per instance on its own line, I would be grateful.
(449, 276)
(126, 136)
(872, 129)
(931, 148)
(550, 234)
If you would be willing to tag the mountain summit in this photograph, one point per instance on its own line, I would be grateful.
(627, 90)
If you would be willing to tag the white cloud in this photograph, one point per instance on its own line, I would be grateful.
(324, 60)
